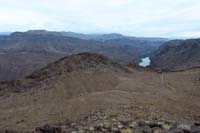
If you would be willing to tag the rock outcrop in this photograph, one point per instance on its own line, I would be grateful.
(177, 55)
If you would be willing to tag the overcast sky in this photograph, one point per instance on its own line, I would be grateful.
(164, 18)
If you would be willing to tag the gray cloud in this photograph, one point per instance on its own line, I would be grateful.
(167, 18)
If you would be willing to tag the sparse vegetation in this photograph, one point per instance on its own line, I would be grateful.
(96, 84)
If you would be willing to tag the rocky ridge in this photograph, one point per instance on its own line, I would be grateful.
(177, 55)
(87, 62)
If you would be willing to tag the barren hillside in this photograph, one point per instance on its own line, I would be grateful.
(177, 55)
(83, 85)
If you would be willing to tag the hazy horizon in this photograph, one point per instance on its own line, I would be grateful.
(100, 33)
(156, 18)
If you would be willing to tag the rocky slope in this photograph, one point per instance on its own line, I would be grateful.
(177, 55)
(58, 71)
(24, 52)
(89, 92)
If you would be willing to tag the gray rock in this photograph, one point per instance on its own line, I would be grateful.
(48, 129)
(133, 124)
(183, 126)
(176, 130)
(195, 129)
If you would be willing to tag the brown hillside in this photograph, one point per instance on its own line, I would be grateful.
(75, 87)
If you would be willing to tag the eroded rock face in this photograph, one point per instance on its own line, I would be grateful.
(177, 55)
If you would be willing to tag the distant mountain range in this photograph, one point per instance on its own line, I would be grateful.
(24, 52)
(177, 55)
(98, 37)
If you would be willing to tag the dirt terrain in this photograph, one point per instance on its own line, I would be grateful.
(78, 86)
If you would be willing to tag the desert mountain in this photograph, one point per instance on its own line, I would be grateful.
(97, 37)
(82, 61)
(59, 70)
(39, 48)
(85, 91)
(177, 55)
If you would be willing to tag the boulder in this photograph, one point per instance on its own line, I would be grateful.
(48, 129)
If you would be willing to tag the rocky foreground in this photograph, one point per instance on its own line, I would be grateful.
(123, 127)
(118, 127)
(100, 123)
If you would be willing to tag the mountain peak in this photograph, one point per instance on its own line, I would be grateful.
(88, 62)
(37, 31)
